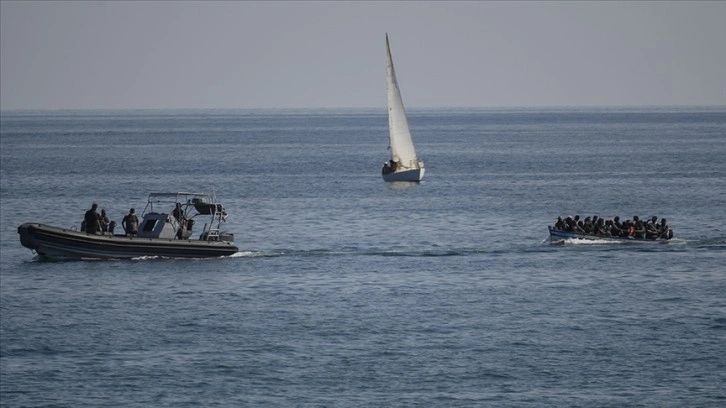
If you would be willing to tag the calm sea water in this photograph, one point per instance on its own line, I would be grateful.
(349, 291)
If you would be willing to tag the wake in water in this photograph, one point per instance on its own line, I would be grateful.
(240, 254)
(399, 252)
(254, 254)
(578, 241)
(675, 242)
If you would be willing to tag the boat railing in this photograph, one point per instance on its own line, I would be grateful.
(210, 234)
(186, 199)
(412, 164)
(213, 234)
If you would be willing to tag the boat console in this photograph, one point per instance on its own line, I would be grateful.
(160, 225)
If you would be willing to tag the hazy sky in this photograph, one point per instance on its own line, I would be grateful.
(270, 54)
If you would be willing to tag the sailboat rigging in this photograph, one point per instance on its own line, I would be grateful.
(404, 165)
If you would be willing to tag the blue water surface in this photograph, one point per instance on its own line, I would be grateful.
(349, 291)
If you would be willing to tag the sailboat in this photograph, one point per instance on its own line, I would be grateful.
(404, 164)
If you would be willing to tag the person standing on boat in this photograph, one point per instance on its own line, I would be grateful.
(178, 213)
(131, 223)
(92, 219)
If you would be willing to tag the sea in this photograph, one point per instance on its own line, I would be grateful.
(349, 291)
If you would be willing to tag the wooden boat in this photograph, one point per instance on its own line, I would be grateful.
(160, 234)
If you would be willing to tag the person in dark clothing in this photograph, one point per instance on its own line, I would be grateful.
(92, 220)
(639, 231)
(104, 221)
(131, 223)
(665, 230)
(651, 230)
(601, 229)
(178, 213)
(560, 224)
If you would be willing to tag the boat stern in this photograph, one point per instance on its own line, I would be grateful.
(27, 236)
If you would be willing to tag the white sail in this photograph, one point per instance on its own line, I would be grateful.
(402, 150)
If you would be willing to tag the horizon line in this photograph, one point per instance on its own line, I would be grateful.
(383, 108)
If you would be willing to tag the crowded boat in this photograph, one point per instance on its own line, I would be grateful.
(597, 227)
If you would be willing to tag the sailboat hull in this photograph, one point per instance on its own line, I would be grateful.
(405, 175)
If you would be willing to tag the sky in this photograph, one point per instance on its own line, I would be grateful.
(331, 54)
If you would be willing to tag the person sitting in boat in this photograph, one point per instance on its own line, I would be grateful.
(601, 229)
(131, 223)
(665, 230)
(639, 231)
(104, 221)
(389, 167)
(590, 224)
(615, 228)
(628, 228)
(654, 221)
(560, 224)
(92, 220)
(580, 229)
(573, 225)
(651, 230)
